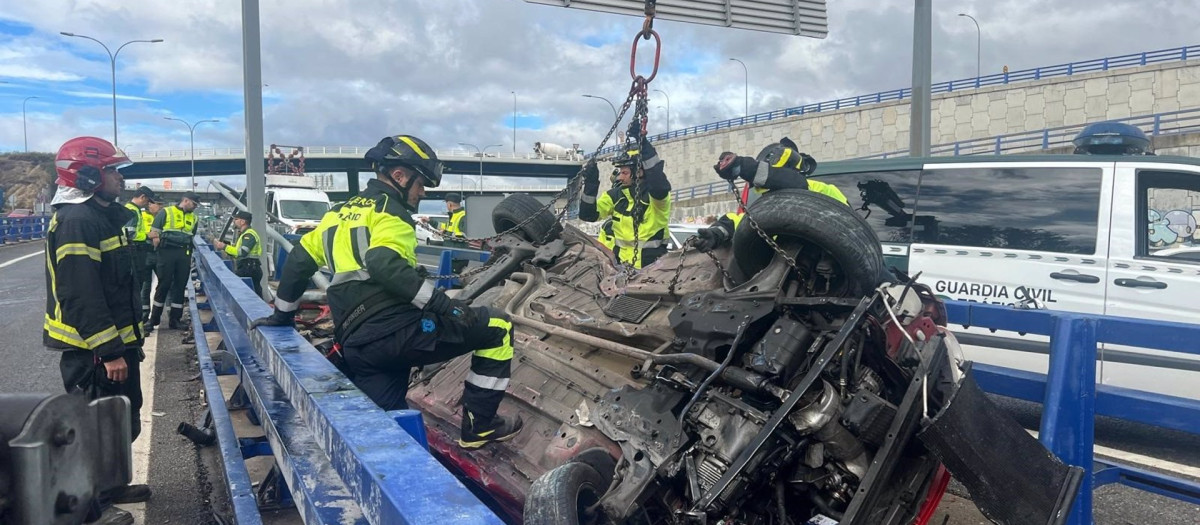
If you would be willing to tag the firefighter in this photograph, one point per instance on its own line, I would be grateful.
(778, 166)
(452, 229)
(650, 209)
(172, 233)
(137, 231)
(92, 309)
(387, 317)
(246, 252)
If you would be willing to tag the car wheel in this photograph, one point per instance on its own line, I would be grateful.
(562, 496)
(518, 207)
(814, 219)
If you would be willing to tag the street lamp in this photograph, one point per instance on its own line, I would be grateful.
(664, 93)
(24, 129)
(747, 72)
(112, 58)
(461, 184)
(192, 135)
(514, 94)
(614, 110)
(978, 41)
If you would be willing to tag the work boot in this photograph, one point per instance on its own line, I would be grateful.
(174, 318)
(155, 317)
(127, 494)
(475, 434)
(113, 516)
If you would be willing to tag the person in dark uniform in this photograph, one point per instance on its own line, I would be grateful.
(92, 309)
(246, 252)
(452, 230)
(137, 230)
(387, 317)
(172, 233)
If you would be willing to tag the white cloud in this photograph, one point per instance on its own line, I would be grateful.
(26, 72)
(98, 94)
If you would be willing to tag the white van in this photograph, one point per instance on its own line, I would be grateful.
(296, 201)
(1106, 235)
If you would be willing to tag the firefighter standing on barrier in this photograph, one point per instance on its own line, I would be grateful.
(246, 252)
(651, 209)
(172, 233)
(137, 230)
(778, 166)
(387, 317)
(92, 309)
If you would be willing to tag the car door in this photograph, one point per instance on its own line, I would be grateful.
(1154, 269)
(1014, 233)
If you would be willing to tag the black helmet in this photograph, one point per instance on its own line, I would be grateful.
(453, 197)
(410, 152)
(624, 158)
(785, 154)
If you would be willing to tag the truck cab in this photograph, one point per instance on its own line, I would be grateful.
(296, 201)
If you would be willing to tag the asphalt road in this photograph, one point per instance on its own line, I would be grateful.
(29, 367)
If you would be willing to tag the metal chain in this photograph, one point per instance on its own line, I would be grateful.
(791, 262)
(689, 245)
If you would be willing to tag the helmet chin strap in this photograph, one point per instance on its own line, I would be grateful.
(403, 190)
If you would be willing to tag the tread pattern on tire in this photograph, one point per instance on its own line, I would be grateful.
(553, 498)
(520, 206)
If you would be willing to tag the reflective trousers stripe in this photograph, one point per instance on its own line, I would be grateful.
(486, 382)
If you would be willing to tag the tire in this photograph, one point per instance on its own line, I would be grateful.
(520, 206)
(560, 495)
(818, 220)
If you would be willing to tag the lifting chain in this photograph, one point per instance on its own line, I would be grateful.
(791, 262)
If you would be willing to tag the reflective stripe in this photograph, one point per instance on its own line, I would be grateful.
(424, 294)
(590, 199)
(761, 174)
(127, 334)
(101, 337)
(360, 240)
(787, 154)
(345, 277)
(284, 306)
(110, 244)
(645, 245)
(327, 240)
(504, 352)
(61, 332)
(76, 248)
(158, 304)
(174, 305)
(414, 146)
(486, 382)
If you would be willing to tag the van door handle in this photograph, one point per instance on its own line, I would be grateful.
(1138, 283)
(1077, 277)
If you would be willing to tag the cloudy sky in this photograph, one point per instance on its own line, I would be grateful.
(348, 73)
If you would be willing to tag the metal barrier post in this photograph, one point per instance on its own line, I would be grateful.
(1068, 419)
(445, 267)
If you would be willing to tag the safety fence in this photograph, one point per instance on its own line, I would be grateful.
(278, 363)
(1167, 123)
(341, 151)
(19, 229)
(1178, 54)
(338, 457)
(1071, 399)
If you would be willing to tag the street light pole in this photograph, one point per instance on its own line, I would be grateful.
(192, 139)
(480, 153)
(24, 128)
(664, 93)
(514, 94)
(614, 110)
(747, 72)
(112, 59)
(978, 42)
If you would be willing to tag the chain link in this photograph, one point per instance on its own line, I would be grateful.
(791, 262)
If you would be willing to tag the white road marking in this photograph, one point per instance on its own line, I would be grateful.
(1142, 460)
(21, 258)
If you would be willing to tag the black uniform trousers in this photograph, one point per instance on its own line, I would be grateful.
(251, 268)
(174, 263)
(144, 264)
(84, 375)
(382, 368)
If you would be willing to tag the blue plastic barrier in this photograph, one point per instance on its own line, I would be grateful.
(343, 459)
(445, 258)
(1071, 398)
(18, 229)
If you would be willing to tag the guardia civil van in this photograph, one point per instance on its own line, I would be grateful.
(1097, 234)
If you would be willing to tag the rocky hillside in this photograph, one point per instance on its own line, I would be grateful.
(25, 176)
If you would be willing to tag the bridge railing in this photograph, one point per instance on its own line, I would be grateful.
(356, 151)
(1071, 400)
(1177, 54)
(340, 457)
(18, 229)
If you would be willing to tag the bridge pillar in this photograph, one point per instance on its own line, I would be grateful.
(352, 181)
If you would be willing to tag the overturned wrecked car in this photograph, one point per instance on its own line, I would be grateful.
(788, 379)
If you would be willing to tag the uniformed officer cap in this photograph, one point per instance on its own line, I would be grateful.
(243, 215)
(454, 197)
(146, 192)
(193, 196)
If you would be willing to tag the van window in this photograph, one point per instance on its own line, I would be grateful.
(1018, 208)
(1171, 208)
(885, 198)
(302, 210)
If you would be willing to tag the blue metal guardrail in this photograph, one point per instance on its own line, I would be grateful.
(1168, 123)
(17, 229)
(1071, 399)
(341, 458)
(1178, 54)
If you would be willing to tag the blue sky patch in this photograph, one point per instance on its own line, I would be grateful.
(14, 28)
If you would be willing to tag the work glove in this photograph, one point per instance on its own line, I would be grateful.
(591, 178)
(277, 318)
(730, 167)
(441, 304)
(710, 238)
(634, 132)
